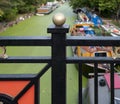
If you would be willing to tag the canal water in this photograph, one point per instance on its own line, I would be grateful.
(37, 26)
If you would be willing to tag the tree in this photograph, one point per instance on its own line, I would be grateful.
(1, 13)
(113, 6)
(9, 15)
(16, 3)
(32, 2)
(4, 4)
(103, 6)
(10, 8)
(84, 3)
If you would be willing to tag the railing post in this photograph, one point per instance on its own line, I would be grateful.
(58, 59)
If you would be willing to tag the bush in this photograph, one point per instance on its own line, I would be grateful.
(9, 15)
(107, 13)
(23, 9)
(32, 8)
(50, 0)
(1, 13)
(26, 9)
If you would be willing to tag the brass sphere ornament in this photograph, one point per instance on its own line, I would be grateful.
(59, 19)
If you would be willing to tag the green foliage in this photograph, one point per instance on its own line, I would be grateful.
(50, 0)
(1, 13)
(26, 9)
(83, 3)
(106, 7)
(10, 8)
(43, 1)
(34, 2)
(5, 4)
(111, 6)
(16, 3)
(75, 4)
(10, 15)
(9, 12)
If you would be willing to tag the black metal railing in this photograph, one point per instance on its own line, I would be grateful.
(58, 60)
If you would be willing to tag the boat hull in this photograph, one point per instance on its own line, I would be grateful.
(88, 68)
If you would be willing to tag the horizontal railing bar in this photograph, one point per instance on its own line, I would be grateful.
(47, 59)
(25, 41)
(11, 77)
(92, 41)
(26, 59)
(92, 60)
(46, 41)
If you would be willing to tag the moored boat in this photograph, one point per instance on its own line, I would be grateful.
(111, 29)
(104, 89)
(90, 51)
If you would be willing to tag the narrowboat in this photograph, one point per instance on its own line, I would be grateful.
(86, 30)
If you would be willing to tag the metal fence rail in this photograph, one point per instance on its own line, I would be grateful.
(58, 60)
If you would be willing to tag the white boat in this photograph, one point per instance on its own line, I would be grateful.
(112, 29)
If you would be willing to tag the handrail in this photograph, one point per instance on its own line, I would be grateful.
(25, 41)
(58, 41)
(92, 41)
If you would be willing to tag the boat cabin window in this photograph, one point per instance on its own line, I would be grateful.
(100, 54)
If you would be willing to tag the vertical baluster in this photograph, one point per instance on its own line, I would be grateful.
(96, 83)
(112, 82)
(58, 31)
(80, 83)
(37, 91)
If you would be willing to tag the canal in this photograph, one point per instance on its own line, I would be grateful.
(36, 26)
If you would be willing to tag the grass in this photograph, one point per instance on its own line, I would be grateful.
(37, 26)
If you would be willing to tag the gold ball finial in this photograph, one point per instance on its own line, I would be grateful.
(59, 19)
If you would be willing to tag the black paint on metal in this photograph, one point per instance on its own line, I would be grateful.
(58, 63)
(58, 60)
